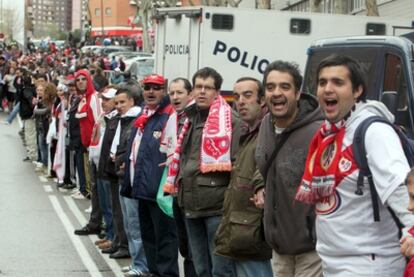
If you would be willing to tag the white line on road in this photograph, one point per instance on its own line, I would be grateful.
(80, 248)
(48, 188)
(113, 265)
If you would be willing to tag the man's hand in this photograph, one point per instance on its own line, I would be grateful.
(407, 246)
(258, 198)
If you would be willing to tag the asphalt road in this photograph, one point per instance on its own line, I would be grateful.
(37, 222)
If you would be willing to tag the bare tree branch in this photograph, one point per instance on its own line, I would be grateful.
(372, 7)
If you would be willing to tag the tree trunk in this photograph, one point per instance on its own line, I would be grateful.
(315, 6)
(340, 7)
(372, 8)
(263, 4)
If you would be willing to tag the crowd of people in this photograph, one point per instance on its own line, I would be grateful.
(267, 188)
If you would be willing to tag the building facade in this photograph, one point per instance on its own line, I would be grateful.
(50, 16)
(113, 17)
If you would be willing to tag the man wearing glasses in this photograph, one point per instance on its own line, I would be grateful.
(210, 140)
(143, 173)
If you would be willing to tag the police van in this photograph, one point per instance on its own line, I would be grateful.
(242, 42)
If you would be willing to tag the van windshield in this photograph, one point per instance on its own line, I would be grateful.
(366, 56)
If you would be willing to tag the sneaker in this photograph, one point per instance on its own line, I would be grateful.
(26, 159)
(88, 210)
(5, 122)
(126, 268)
(78, 195)
(67, 188)
(134, 272)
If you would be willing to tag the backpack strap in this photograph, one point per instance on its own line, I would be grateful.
(360, 156)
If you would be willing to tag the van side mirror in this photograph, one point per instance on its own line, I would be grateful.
(390, 100)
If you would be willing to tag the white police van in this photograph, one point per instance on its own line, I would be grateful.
(241, 42)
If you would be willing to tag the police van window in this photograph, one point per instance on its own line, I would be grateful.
(375, 29)
(300, 26)
(394, 80)
(222, 21)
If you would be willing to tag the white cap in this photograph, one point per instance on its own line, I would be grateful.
(117, 69)
(109, 93)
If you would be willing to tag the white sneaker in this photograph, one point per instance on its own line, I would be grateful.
(5, 122)
(126, 268)
(89, 210)
(78, 195)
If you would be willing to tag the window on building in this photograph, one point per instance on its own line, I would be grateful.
(108, 11)
(97, 12)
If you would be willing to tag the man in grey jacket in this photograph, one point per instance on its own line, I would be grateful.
(291, 123)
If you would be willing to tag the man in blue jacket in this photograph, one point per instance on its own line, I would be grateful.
(143, 175)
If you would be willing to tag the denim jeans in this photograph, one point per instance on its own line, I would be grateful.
(80, 169)
(14, 113)
(253, 268)
(133, 232)
(104, 195)
(42, 145)
(201, 232)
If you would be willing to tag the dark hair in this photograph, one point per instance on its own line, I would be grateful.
(260, 88)
(356, 73)
(39, 75)
(206, 72)
(286, 67)
(187, 84)
(130, 94)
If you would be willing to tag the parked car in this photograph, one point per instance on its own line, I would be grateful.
(106, 50)
(128, 62)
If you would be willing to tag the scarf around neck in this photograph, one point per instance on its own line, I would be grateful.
(215, 144)
(319, 179)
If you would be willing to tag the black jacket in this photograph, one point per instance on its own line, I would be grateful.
(26, 107)
(75, 142)
(106, 166)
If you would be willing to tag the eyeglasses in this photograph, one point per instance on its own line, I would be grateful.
(80, 79)
(153, 87)
(205, 88)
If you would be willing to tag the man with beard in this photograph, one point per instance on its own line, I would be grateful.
(281, 151)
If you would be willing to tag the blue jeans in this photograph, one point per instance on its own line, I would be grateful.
(104, 196)
(253, 268)
(201, 232)
(42, 145)
(14, 113)
(133, 232)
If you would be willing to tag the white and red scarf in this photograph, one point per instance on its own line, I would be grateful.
(319, 179)
(215, 144)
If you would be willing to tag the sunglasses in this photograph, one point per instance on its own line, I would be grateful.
(80, 79)
(153, 86)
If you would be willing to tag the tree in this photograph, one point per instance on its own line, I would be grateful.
(11, 24)
(371, 7)
(263, 4)
(315, 6)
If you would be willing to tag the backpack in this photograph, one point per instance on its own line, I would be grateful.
(360, 157)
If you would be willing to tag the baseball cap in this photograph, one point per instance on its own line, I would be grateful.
(154, 79)
(109, 93)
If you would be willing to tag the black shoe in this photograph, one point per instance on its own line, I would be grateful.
(87, 231)
(120, 254)
(26, 159)
(102, 235)
(110, 250)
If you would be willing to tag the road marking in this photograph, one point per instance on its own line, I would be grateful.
(48, 188)
(80, 248)
(113, 265)
(43, 179)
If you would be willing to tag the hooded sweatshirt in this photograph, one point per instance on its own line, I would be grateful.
(89, 109)
(288, 226)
